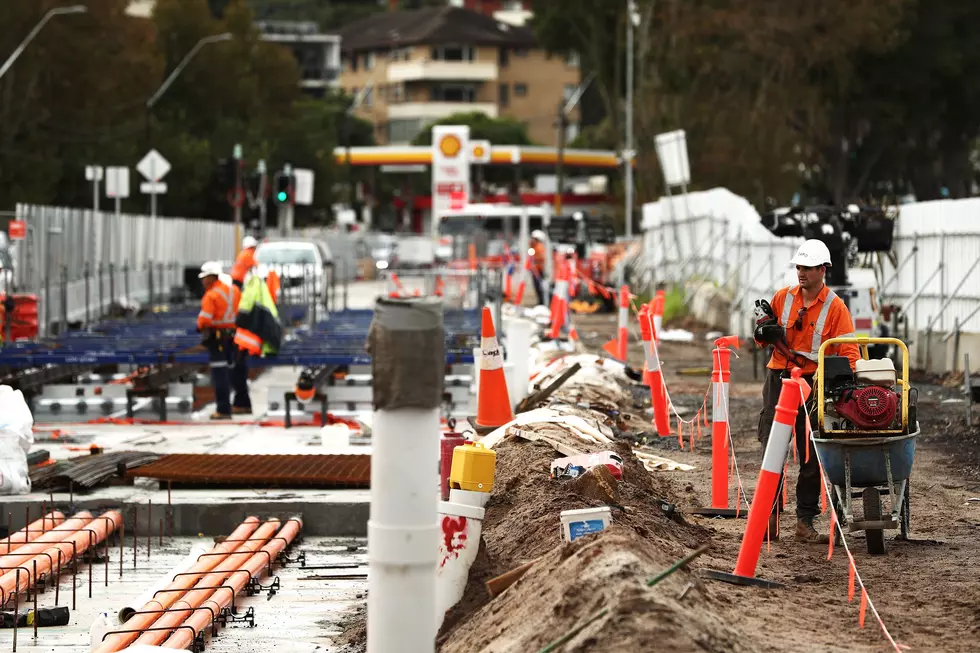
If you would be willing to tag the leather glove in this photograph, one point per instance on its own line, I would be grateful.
(768, 331)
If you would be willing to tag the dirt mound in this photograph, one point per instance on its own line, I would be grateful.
(576, 581)
(523, 518)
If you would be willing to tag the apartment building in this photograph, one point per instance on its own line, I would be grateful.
(424, 65)
(317, 54)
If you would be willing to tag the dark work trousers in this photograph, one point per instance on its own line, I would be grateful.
(220, 357)
(539, 288)
(808, 482)
(239, 375)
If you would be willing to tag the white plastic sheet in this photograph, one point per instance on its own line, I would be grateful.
(16, 438)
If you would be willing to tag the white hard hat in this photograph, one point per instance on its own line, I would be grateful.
(537, 234)
(249, 241)
(811, 254)
(210, 269)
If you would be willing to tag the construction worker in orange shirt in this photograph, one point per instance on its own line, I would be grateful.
(216, 323)
(800, 319)
(244, 262)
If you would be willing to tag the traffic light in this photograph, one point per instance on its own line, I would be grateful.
(226, 174)
(284, 187)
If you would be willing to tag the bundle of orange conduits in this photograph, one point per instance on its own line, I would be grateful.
(194, 598)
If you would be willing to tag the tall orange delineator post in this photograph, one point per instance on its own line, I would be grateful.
(559, 302)
(720, 378)
(660, 298)
(780, 437)
(522, 284)
(653, 376)
(624, 315)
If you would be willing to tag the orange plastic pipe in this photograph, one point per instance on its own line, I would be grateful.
(172, 592)
(185, 607)
(95, 531)
(33, 531)
(199, 620)
(59, 534)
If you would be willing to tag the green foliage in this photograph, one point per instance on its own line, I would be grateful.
(499, 131)
(77, 96)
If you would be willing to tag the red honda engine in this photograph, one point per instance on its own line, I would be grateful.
(869, 407)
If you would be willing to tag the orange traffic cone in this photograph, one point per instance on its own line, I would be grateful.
(493, 406)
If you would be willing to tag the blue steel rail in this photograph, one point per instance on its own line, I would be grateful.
(165, 338)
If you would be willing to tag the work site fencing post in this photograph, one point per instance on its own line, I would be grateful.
(81, 242)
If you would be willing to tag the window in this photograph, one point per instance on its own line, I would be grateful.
(369, 61)
(453, 93)
(504, 97)
(520, 52)
(403, 131)
(503, 57)
(572, 59)
(520, 90)
(353, 62)
(453, 53)
(368, 97)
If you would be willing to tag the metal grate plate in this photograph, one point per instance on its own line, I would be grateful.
(300, 470)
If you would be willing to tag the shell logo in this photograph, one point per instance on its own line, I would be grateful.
(450, 146)
(479, 152)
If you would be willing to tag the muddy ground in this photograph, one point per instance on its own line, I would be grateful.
(925, 589)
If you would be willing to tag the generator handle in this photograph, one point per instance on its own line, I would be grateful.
(862, 342)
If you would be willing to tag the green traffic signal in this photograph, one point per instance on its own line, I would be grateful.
(281, 196)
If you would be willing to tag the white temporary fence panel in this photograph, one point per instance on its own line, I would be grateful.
(716, 237)
(64, 243)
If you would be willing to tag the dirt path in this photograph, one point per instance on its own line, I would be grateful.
(926, 590)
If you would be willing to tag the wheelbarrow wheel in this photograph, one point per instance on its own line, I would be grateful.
(872, 512)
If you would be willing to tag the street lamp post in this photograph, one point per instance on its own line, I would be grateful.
(632, 20)
(74, 9)
(215, 38)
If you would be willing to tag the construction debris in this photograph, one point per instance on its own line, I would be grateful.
(88, 472)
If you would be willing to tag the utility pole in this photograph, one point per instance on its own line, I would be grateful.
(563, 110)
(238, 195)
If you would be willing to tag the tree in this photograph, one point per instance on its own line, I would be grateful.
(499, 131)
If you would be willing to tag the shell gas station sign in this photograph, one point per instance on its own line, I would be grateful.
(450, 169)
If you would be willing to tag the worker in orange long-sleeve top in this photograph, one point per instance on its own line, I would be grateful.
(216, 323)
(244, 262)
(798, 321)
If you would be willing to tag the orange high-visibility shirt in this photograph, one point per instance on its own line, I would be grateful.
(243, 263)
(538, 258)
(807, 328)
(219, 307)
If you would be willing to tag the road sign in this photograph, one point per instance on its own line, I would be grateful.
(93, 173)
(117, 182)
(153, 166)
(303, 186)
(153, 188)
(450, 169)
(17, 230)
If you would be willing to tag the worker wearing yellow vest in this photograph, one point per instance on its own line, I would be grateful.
(216, 323)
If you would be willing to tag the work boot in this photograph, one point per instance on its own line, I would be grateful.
(241, 410)
(805, 532)
(218, 416)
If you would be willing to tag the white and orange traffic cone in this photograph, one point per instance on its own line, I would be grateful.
(493, 403)
(780, 437)
(720, 378)
(522, 284)
(618, 347)
(559, 302)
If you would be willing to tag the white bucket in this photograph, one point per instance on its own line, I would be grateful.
(579, 523)
(459, 542)
(335, 436)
